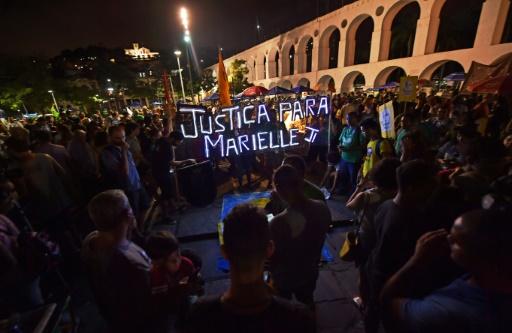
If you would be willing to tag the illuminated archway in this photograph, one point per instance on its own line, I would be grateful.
(359, 40)
(352, 80)
(326, 83)
(273, 63)
(398, 28)
(287, 59)
(304, 83)
(305, 54)
(285, 84)
(457, 25)
(441, 69)
(389, 74)
(328, 48)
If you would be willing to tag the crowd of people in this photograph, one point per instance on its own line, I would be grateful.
(432, 206)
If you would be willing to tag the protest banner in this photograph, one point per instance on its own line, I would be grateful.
(408, 87)
(387, 120)
(240, 128)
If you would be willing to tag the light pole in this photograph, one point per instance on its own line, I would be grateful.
(187, 40)
(178, 53)
(54, 100)
(185, 22)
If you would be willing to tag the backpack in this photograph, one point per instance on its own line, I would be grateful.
(378, 149)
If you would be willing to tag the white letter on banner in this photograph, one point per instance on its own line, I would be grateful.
(213, 145)
(194, 121)
(247, 121)
(271, 145)
(218, 123)
(261, 141)
(203, 131)
(254, 143)
(324, 105)
(282, 109)
(242, 143)
(283, 143)
(293, 137)
(312, 134)
(297, 111)
(262, 111)
(310, 102)
(231, 110)
(231, 144)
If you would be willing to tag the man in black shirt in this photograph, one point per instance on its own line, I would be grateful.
(299, 234)
(248, 305)
(161, 163)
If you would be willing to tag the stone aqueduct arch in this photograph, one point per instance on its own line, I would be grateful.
(382, 13)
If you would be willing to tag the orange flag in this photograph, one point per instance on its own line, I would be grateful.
(223, 84)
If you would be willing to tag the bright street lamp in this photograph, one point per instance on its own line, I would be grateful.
(177, 53)
(184, 17)
(54, 100)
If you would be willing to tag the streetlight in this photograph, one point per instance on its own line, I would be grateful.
(54, 100)
(187, 40)
(177, 53)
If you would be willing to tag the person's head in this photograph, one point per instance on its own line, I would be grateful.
(413, 146)
(176, 138)
(416, 181)
(110, 211)
(297, 162)
(247, 241)
(100, 139)
(164, 249)
(353, 119)
(117, 135)
(507, 142)
(370, 128)
(480, 242)
(408, 120)
(44, 136)
(288, 183)
(8, 195)
(132, 129)
(17, 147)
(383, 174)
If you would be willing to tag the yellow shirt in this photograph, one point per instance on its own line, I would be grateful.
(371, 157)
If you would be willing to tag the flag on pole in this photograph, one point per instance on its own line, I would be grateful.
(223, 84)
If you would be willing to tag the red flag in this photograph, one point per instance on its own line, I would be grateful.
(223, 84)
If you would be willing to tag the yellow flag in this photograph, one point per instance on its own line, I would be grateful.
(223, 84)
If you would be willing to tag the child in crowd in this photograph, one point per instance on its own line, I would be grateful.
(174, 278)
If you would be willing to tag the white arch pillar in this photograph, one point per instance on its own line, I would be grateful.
(295, 62)
(491, 15)
(259, 71)
(376, 42)
(421, 38)
(271, 69)
(384, 43)
(315, 55)
(301, 61)
(342, 50)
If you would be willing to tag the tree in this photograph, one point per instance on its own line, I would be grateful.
(208, 82)
(238, 72)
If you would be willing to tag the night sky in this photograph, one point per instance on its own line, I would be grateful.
(46, 27)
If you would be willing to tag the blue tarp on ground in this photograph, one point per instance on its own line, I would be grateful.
(259, 199)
